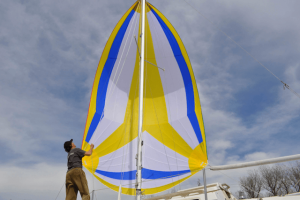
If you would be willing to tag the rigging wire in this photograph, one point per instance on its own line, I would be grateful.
(94, 172)
(284, 84)
(60, 190)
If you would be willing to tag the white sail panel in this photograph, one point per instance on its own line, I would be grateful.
(117, 182)
(121, 160)
(157, 156)
(157, 183)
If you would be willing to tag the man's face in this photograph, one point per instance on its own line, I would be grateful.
(73, 145)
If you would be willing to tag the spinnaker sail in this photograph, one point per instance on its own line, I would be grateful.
(174, 146)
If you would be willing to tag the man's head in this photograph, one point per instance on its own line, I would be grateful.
(68, 145)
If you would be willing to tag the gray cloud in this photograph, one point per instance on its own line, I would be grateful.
(49, 52)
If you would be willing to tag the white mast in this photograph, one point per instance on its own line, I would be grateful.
(141, 103)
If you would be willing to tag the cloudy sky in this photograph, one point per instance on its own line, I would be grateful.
(49, 52)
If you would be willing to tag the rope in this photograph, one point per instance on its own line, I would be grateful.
(284, 84)
(63, 186)
(60, 191)
(87, 196)
(93, 171)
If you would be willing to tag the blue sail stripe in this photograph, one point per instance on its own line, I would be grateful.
(190, 100)
(152, 174)
(146, 174)
(105, 76)
(130, 175)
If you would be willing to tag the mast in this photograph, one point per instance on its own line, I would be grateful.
(204, 182)
(141, 103)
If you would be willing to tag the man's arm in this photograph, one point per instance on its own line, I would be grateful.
(89, 152)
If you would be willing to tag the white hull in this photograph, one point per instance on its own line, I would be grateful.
(215, 191)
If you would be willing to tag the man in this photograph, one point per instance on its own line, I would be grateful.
(76, 179)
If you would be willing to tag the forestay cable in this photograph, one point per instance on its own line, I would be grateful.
(284, 84)
(60, 190)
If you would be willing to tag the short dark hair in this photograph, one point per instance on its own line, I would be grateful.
(68, 145)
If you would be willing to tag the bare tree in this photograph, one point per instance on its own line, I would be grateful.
(286, 182)
(271, 177)
(237, 194)
(251, 184)
(198, 182)
(295, 176)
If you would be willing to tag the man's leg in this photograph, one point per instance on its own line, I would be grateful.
(71, 189)
(82, 185)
